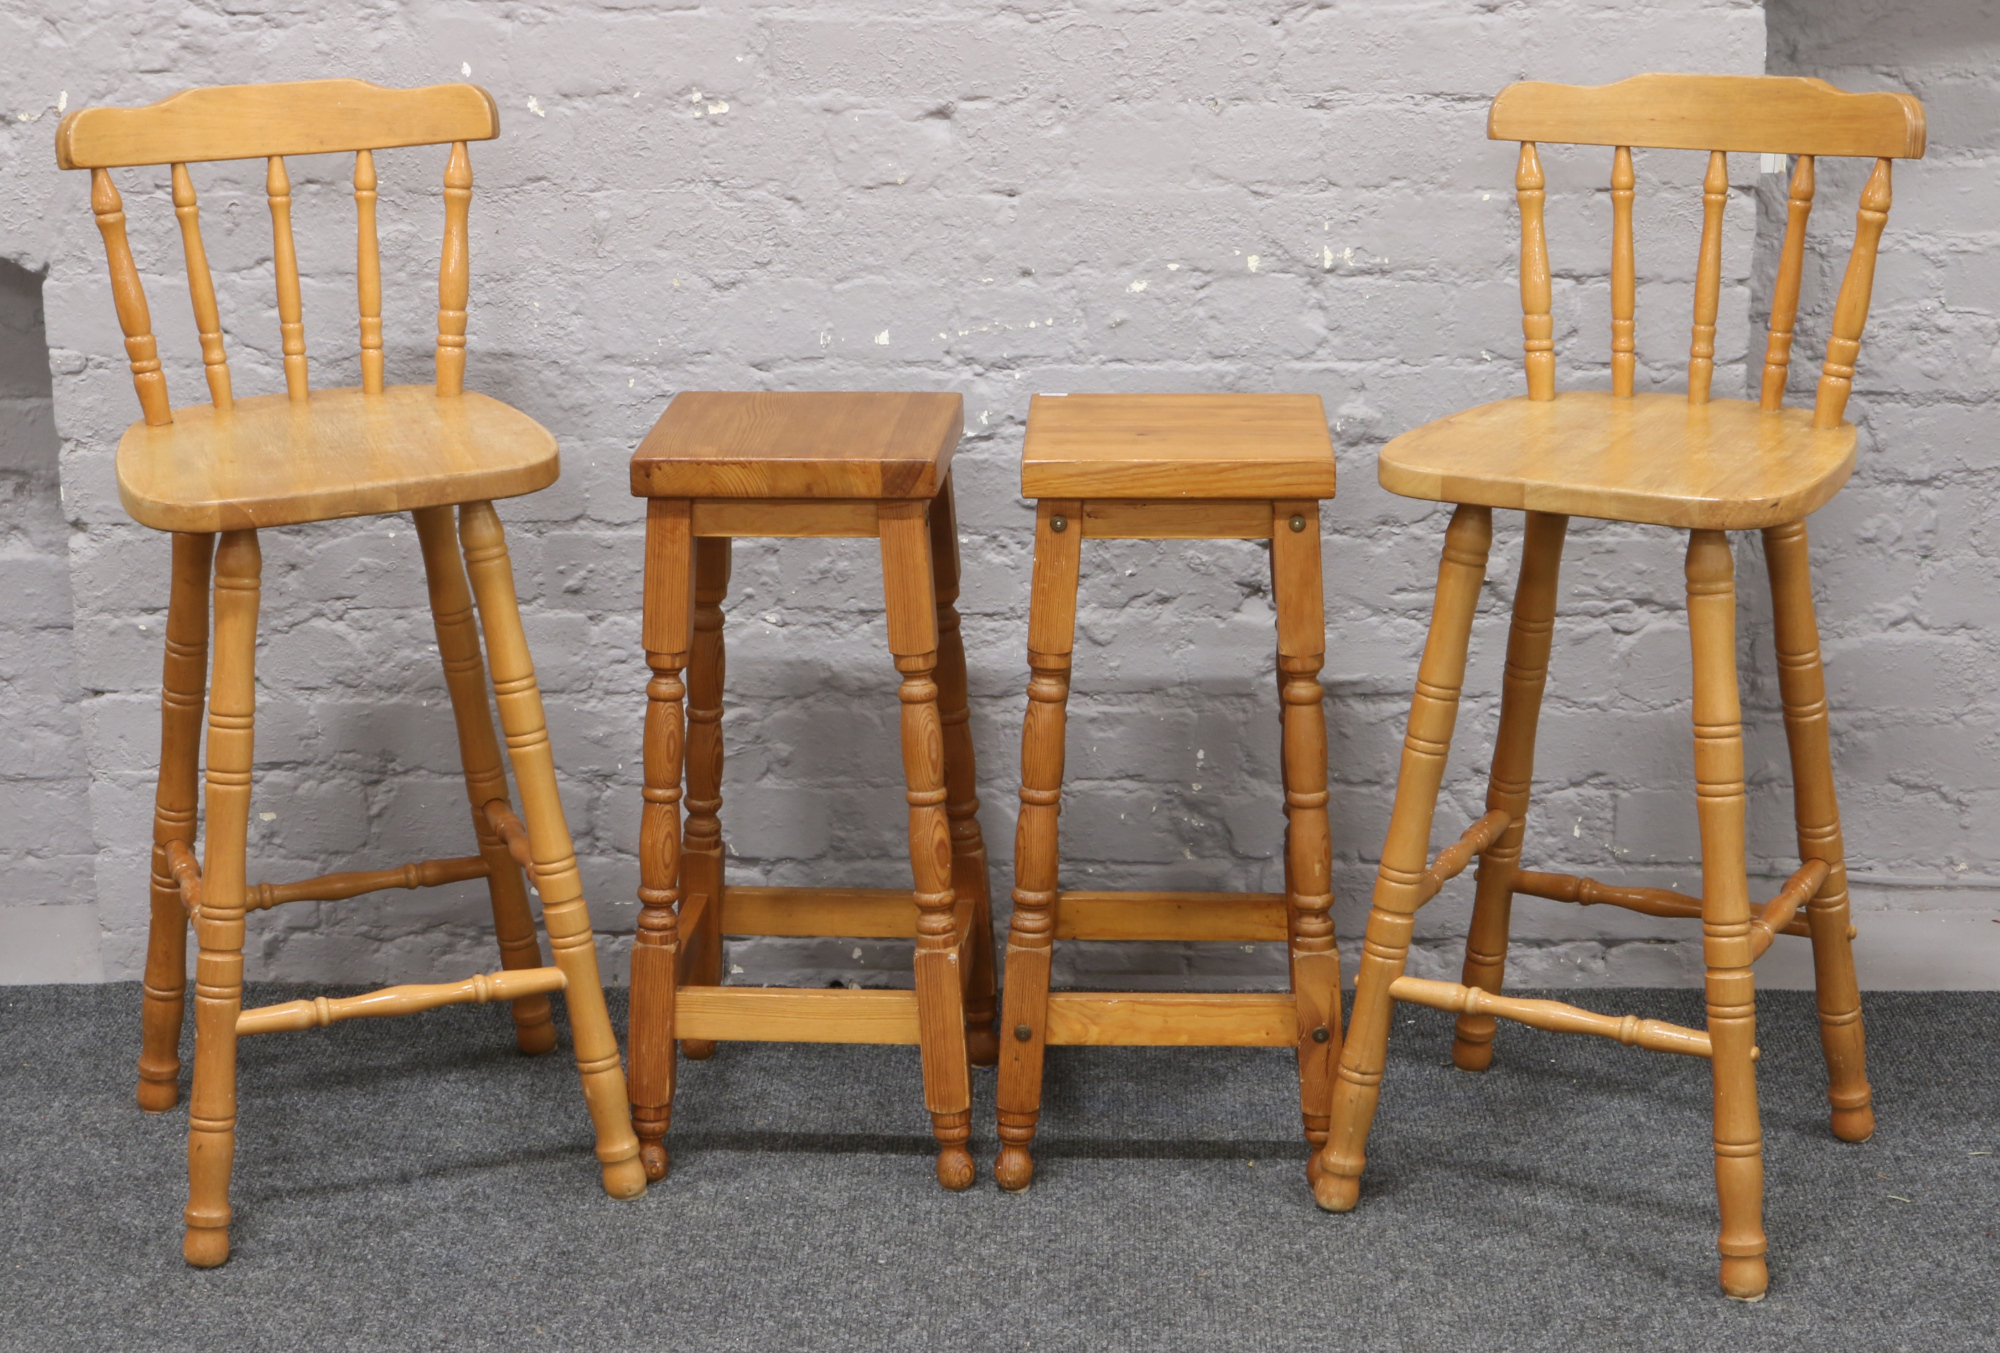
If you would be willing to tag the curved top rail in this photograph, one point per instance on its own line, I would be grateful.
(306, 117)
(1773, 114)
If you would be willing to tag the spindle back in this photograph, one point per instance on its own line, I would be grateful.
(271, 121)
(1767, 114)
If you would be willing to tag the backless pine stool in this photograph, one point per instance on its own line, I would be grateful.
(718, 466)
(220, 473)
(1171, 467)
(1706, 466)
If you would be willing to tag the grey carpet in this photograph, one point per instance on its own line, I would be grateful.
(416, 1184)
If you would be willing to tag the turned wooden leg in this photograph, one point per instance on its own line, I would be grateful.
(1405, 854)
(183, 685)
(564, 912)
(961, 778)
(701, 851)
(218, 973)
(1725, 912)
(1512, 774)
(1802, 685)
(485, 776)
(908, 584)
(666, 635)
(1297, 593)
(1031, 931)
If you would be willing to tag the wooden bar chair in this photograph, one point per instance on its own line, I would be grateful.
(722, 465)
(1705, 466)
(1172, 467)
(216, 474)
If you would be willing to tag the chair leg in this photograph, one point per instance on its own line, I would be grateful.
(1298, 597)
(1031, 930)
(485, 776)
(183, 687)
(1357, 1084)
(667, 636)
(909, 587)
(564, 912)
(1725, 912)
(218, 974)
(1802, 684)
(1513, 773)
(701, 851)
(961, 778)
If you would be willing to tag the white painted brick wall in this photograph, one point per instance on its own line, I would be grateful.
(994, 198)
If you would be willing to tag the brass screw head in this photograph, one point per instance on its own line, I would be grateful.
(1022, 1033)
(1298, 523)
(1059, 523)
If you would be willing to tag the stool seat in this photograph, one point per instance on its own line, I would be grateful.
(799, 444)
(1177, 446)
(275, 461)
(1725, 465)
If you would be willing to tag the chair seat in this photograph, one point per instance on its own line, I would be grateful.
(1177, 446)
(270, 461)
(1726, 465)
(799, 444)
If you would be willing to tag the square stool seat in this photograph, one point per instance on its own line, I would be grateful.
(1177, 446)
(799, 444)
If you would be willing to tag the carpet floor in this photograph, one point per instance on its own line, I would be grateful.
(417, 1184)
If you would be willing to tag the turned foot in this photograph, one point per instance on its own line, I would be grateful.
(954, 1167)
(1335, 1192)
(1745, 1279)
(1471, 1056)
(206, 1246)
(535, 1039)
(159, 1096)
(1014, 1170)
(697, 1049)
(627, 1178)
(653, 1158)
(1854, 1125)
(982, 1047)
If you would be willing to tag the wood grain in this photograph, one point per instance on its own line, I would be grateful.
(356, 883)
(1538, 348)
(1658, 1035)
(1724, 465)
(1136, 519)
(129, 297)
(285, 267)
(1182, 1019)
(715, 444)
(1177, 446)
(1772, 114)
(201, 289)
(270, 461)
(779, 517)
(1624, 286)
(797, 1015)
(1231, 918)
(1785, 294)
(1850, 311)
(403, 1000)
(1708, 278)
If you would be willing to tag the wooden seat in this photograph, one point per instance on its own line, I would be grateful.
(273, 461)
(1708, 466)
(1177, 467)
(715, 467)
(213, 475)
(1727, 465)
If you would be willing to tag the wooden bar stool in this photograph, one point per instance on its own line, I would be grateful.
(1691, 463)
(1171, 467)
(718, 466)
(235, 466)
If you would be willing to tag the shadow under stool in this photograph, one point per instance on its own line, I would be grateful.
(718, 466)
(215, 475)
(1686, 462)
(1171, 467)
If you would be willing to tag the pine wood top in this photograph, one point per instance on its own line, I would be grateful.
(797, 444)
(1724, 465)
(305, 117)
(1775, 114)
(273, 461)
(1177, 446)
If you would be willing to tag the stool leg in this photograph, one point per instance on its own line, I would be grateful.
(1405, 854)
(701, 852)
(1298, 595)
(1512, 775)
(1725, 912)
(1031, 931)
(666, 635)
(909, 587)
(218, 973)
(564, 912)
(961, 778)
(183, 687)
(1802, 685)
(485, 776)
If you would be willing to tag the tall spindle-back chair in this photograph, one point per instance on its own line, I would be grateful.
(1694, 462)
(236, 465)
